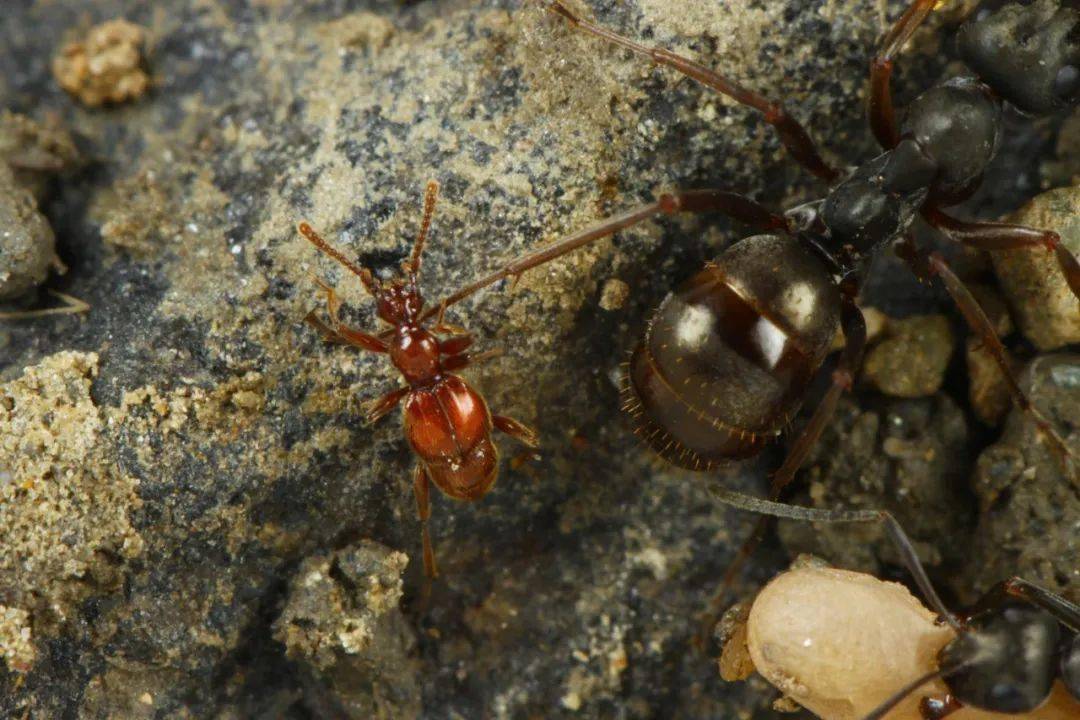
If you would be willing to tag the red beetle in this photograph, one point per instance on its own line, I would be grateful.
(447, 422)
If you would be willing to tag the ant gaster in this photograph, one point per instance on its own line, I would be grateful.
(447, 422)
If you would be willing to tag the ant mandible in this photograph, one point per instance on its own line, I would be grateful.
(1009, 649)
(447, 422)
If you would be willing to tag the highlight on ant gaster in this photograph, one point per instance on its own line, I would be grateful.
(540, 359)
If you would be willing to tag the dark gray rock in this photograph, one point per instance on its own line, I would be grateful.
(1029, 509)
(574, 588)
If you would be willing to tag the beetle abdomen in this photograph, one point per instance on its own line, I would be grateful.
(449, 427)
(727, 357)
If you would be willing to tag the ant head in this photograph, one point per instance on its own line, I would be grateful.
(399, 302)
(1005, 660)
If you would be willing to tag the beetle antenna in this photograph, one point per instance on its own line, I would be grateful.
(430, 197)
(370, 283)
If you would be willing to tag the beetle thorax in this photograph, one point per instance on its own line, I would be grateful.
(415, 352)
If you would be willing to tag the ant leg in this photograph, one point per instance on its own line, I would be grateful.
(993, 236)
(881, 111)
(854, 326)
(72, 305)
(733, 205)
(519, 431)
(792, 134)
(377, 409)
(422, 491)
(926, 266)
(1066, 612)
(893, 529)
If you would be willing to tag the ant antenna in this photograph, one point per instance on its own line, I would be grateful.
(892, 528)
(880, 711)
(1059, 607)
(430, 196)
(547, 253)
(370, 283)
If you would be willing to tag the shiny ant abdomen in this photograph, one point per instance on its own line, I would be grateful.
(726, 358)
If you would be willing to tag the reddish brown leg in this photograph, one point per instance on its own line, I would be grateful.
(456, 344)
(792, 134)
(926, 266)
(339, 331)
(735, 206)
(328, 333)
(378, 409)
(422, 491)
(854, 326)
(882, 113)
(1004, 236)
(519, 431)
(457, 362)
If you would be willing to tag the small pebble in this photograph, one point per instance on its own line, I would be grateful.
(614, 294)
(106, 67)
(910, 361)
(27, 244)
(1044, 307)
(988, 391)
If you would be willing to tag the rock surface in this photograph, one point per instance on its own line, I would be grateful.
(27, 244)
(904, 456)
(220, 431)
(342, 618)
(1029, 509)
(1046, 310)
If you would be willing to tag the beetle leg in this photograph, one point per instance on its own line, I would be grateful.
(378, 409)
(519, 431)
(463, 360)
(456, 344)
(338, 331)
(422, 491)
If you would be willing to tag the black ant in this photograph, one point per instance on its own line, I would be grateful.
(726, 359)
(1009, 649)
